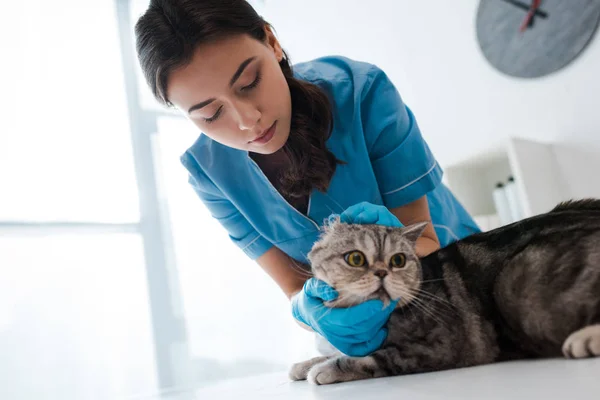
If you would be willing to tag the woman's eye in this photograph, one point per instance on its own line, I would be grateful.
(214, 117)
(355, 258)
(254, 83)
(398, 260)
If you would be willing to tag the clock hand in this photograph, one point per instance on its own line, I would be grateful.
(528, 19)
(530, 23)
(525, 7)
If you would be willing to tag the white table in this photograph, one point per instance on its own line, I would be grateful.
(545, 380)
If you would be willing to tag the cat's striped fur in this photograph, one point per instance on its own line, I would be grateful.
(527, 290)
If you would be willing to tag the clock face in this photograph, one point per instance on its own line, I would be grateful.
(527, 44)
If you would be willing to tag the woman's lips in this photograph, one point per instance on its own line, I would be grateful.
(267, 136)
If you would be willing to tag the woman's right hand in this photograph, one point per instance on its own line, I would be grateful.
(355, 331)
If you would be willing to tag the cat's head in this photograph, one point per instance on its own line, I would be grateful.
(364, 262)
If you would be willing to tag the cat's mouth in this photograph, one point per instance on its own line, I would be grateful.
(381, 294)
(380, 291)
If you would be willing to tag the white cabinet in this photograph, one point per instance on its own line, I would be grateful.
(533, 165)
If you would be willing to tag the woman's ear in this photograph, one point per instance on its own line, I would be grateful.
(273, 43)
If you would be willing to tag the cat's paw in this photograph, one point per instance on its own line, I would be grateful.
(583, 343)
(345, 369)
(299, 371)
(325, 373)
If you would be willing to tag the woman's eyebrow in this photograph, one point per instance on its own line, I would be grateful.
(240, 70)
(234, 78)
(200, 105)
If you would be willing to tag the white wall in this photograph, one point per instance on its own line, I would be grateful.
(462, 104)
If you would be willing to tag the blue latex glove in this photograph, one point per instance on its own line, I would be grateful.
(366, 213)
(355, 331)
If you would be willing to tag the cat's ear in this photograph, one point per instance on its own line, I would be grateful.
(331, 222)
(414, 231)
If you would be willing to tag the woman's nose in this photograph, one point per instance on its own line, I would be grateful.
(248, 115)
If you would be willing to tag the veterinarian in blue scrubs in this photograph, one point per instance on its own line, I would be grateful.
(282, 149)
(374, 133)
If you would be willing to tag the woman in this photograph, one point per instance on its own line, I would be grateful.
(283, 149)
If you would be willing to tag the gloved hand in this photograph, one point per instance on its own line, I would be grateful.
(366, 213)
(355, 331)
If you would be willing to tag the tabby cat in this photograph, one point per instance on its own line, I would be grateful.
(527, 290)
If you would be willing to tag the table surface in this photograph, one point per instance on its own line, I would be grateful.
(540, 379)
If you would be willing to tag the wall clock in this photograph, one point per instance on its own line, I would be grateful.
(533, 38)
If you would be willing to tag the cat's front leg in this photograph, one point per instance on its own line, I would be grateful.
(345, 369)
(389, 361)
(299, 371)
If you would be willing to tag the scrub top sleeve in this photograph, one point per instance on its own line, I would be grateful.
(404, 166)
(241, 232)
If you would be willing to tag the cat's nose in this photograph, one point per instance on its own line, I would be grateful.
(382, 273)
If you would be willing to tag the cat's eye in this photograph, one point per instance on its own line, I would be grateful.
(398, 260)
(355, 258)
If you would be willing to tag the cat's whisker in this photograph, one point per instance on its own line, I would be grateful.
(421, 304)
(303, 271)
(431, 313)
(433, 280)
(437, 310)
(325, 314)
(426, 308)
(433, 297)
(403, 293)
(427, 304)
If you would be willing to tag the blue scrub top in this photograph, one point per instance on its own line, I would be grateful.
(387, 163)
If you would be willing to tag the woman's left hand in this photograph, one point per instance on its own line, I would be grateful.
(366, 213)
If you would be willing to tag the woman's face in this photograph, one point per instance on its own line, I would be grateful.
(235, 92)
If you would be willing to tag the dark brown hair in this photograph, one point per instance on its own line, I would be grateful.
(168, 34)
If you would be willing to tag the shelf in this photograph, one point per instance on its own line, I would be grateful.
(534, 168)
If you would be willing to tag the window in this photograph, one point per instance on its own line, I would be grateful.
(87, 310)
(65, 152)
(74, 307)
